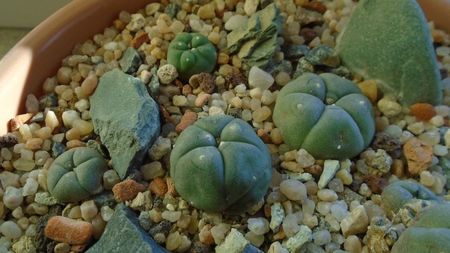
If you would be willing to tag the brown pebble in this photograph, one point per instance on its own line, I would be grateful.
(369, 89)
(205, 235)
(205, 81)
(280, 235)
(202, 99)
(158, 186)
(263, 135)
(375, 183)
(78, 248)
(139, 39)
(308, 34)
(119, 24)
(418, 155)
(170, 187)
(165, 114)
(15, 123)
(89, 84)
(315, 170)
(62, 229)
(75, 144)
(267, 210)
(422, 111)
(188, 118)
(127, 190)
(398, 168)
(186, 90)
(315, 6)
(8, 140)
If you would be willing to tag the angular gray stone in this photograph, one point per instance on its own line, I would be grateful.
(390, 41)
(123, 234)
(126, 118)
(130, 61)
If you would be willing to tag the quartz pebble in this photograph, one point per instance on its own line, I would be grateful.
(356, 222)
(30, 187)
(321, 237)
(218, 232)
(258, 78)
(88, 210)
(304, 159)
(329, 171)
(12, 197)
(327, 195)
(10, 230)
(259, 226)
(290, 225)
(295, 243)
(293, 189)
(352, 244)
(389, 108)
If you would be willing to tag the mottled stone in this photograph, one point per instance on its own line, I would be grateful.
(126, 118)
(130, 61)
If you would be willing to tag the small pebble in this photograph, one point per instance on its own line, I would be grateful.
(12, 197)
(321, 237)
(293, 189)
(258, 78)
(327, 195)
(389, 108)
(158, 186)
(88, 210)
(259, 226)
(418, 155)
(152, 170)
(356, 222)
(110, 178)
(10, 230)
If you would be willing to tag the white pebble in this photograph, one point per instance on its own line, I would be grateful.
(259, 78)
(51, 120)
(10, 230)
(293, 189)
(12, 197)
(440, 150)
(30, 187)
(106, 212)
(321, 237)
(442, 110)
(437, 121)
(259, 226)
(88, 210)
(327, 195)
(389, 108)
(290, 225)
(416, 128)
(394, 131)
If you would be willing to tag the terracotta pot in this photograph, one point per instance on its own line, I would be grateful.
(38, 55)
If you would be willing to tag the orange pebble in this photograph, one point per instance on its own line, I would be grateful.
(62, 229)
(422, 111)
(369, 89)
(127, 190)
(418, 154)
(186, 120)
(158, 186)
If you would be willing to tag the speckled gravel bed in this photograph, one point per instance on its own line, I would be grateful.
(335, 204)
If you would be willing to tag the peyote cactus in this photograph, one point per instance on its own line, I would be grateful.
(76, 174)
(325, 115)
(191, 53)
(220, 164)
(429, 234)
(397, 194)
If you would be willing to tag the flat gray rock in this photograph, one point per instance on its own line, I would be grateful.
(130, 61)
(123, 234)
(126, 118)
(390, 41)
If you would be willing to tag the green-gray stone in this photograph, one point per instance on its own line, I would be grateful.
(390, 41)
(256, 41)
(126, 118)
(397, 194)
(153, 85)
(124, 234)
(429, 234)
(130, 61)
